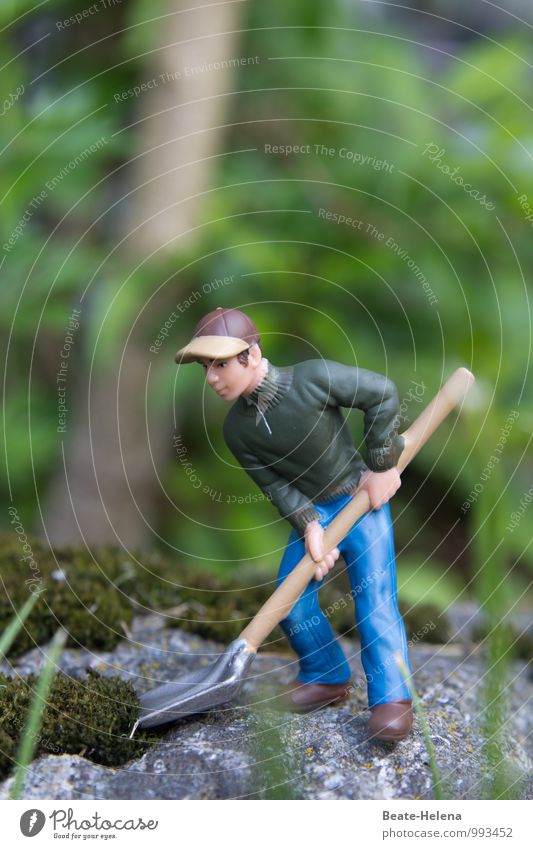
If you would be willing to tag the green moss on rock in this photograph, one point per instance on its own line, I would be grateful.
(7, 753)
(74, 592)
(94, 595)
(92, 717)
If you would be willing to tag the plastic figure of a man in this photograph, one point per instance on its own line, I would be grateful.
(287, 431)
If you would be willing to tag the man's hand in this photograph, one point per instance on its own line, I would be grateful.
(380, 486)
(314, 545)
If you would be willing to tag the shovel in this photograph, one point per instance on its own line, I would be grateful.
(220, 683)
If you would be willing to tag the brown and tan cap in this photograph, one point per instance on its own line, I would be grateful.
(220, 334)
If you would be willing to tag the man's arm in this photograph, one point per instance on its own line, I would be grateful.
(377, 397)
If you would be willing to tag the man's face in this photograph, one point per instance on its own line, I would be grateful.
(229, 378)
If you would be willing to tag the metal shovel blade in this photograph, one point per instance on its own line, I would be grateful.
(198, 691)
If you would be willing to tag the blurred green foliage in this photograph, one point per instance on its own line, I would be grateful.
(327, 79)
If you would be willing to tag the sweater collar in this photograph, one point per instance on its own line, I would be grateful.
(269, 392)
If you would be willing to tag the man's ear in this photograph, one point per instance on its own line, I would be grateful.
(254, 355)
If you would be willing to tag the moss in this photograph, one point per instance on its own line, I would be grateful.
(74, 592)
(91, 717)
(104, 588)
(100, 592)
(7, 744)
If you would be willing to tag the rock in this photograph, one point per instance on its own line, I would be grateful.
(60, 777)
(248, 750)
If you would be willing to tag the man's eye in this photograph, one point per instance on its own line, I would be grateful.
(222, 365)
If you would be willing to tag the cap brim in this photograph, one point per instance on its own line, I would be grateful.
(212, 348)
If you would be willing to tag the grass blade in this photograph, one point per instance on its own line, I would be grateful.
(438, 784)
(9, 634)
(35, 715)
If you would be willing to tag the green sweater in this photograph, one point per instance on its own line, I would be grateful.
(291, 437)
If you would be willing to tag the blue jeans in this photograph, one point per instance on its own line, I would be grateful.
(368, 550)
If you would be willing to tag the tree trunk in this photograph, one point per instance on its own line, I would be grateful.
(107, 490)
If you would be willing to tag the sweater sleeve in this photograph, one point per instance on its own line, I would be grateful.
(377, 397)
(291, 503)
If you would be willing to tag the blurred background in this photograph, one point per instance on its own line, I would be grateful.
(358, 176)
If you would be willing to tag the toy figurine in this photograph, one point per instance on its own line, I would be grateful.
(287, 431)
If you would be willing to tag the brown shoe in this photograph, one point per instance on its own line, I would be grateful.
(306, 697)
(391, 721)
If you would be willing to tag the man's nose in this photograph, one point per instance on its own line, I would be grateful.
(212, 377)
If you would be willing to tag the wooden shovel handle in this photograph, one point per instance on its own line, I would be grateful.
(287, 594)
